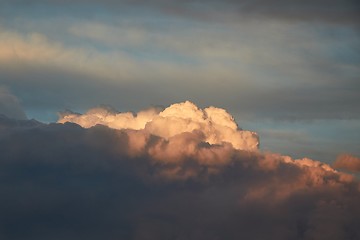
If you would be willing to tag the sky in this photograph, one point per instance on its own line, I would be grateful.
(275, 82)
(288, 70)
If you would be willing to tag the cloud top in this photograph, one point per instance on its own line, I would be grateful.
(215, 125)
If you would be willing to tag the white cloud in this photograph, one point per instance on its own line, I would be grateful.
(214, 124)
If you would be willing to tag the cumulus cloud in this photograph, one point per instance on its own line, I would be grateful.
(347, 162)
(10, 105)
(214, 124)
(62, 180)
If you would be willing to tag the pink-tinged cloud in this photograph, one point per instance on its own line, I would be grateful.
(215, 125)
(158, 178)
(347, 162)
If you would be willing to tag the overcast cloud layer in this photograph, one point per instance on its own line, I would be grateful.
(331, 11)
(269, 59)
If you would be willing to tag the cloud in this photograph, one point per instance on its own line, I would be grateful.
(35, 49)
(257, 70)
(333, 11)
(347, 162)
(214, 124)
(10, 105)
(66, 181)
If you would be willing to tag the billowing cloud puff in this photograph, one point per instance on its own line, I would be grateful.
(214, 124)
(347, 162)
(10, 105)
(69, 182)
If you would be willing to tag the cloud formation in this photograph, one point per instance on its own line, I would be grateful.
(260, 69)
(10, 105)
(215, 125)
(180, 172)
(329, 11)
(96, 182)
(347, 162)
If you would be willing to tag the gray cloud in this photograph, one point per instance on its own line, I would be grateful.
(65, 89)
(63, 181)
(333, 11)
(10, 105)
(271, 70)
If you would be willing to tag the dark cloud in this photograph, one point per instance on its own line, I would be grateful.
(327, 99)
(333, 11)
(276, 71)
(10, 105)
(63, 181)
(331, 100)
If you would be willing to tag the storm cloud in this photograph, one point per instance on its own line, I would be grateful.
(61, 180)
